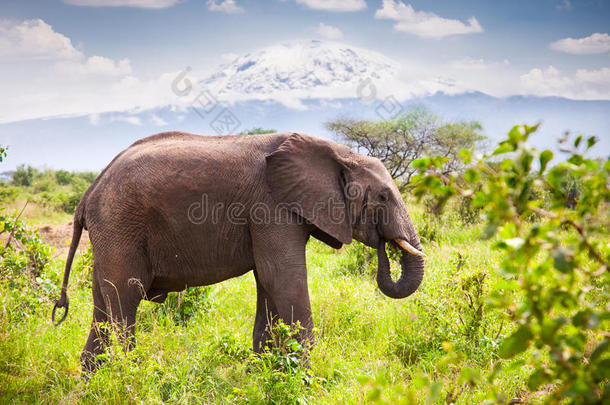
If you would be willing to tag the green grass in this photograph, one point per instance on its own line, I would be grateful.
(360, 334)
(368, 347)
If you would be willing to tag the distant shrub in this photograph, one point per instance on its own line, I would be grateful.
(63, 177)
(468, 213)
(258, 131)
(24, 176)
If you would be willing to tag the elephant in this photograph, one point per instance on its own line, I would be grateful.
(177, 209)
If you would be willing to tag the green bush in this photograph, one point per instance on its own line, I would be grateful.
(182, 306)
(8, 194)
(279, 374)
(24, 261)
(560, 330)
(63, 177)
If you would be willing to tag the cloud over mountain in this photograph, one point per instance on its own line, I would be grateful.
(424, 24)
(593, 44)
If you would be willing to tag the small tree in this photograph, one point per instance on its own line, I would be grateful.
(398, 142)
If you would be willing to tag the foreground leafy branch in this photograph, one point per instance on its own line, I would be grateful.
(556, 251)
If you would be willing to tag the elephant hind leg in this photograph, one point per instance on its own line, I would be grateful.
(98, 335)
(122, 298)
(266, 316)
(119, 286)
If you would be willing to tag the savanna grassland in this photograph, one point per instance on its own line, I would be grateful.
(464, 337)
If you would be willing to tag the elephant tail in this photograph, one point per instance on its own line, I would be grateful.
(63, 302)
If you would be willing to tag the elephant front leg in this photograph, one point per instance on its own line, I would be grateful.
(266, 317)
(281, 272)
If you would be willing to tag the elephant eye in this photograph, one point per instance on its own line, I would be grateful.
(383, 197)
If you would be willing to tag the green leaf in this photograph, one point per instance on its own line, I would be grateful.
(516, 343)
(515, 135)
(562, 259)
(585, 319)
(591, 141)
(470, 376)
(599, 350)
(526, 162)
(465, 155)
(489, 231)
(545, 157)
(504, 147)
(472, 176)
(576, 160)
(421, 164)
(549, 328)
(538, 377)
(577, 141)
(434, 393)
(603, 369)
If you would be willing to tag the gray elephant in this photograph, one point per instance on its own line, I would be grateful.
(177, 209)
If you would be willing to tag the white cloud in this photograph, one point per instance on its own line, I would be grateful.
(229, 57)
(584, 84)
(130, 119)
(34, 39)
(328, 31)
(422, 23)
(97, 65)
(158, 121)
(123, 3)
(225, 6)
(334, 5)
(476, 64)
(595, 77)
(46, 76)
(593, 44)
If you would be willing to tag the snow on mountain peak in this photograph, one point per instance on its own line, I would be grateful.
(300, 69)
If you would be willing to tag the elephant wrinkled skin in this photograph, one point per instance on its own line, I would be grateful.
(177, 209)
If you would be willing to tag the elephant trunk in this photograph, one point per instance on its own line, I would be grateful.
(411, 263)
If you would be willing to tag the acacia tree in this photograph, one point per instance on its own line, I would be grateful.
(398, 142)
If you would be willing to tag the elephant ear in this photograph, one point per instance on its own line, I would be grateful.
(309, 174)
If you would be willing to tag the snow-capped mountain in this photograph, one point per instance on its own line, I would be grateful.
(305, 69)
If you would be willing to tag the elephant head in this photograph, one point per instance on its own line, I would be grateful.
(346, 196)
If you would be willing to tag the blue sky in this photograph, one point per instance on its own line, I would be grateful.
(498, 47)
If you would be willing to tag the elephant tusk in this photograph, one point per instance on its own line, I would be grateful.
(407, 246)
